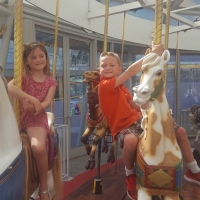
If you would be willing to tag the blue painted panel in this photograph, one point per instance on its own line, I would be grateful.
(12, 181)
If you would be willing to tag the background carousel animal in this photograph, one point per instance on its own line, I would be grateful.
(95, 120)
(194, 119)
(18, 173)
(159, 159)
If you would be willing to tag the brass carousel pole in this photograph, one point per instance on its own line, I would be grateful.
(158, 22)
(167, 37)
(106, 26)
(18, 51)
(97, 188)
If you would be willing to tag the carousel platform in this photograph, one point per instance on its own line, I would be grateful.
(113, 184)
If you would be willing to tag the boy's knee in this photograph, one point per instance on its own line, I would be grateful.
(130, 141)
(181, 134)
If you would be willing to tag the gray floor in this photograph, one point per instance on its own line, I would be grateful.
(77, 165)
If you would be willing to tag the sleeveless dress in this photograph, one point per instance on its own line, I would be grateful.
(38, 90)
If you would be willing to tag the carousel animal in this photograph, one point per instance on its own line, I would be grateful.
(18, 173)
(194, 119)
(95, 121)
(159, 158)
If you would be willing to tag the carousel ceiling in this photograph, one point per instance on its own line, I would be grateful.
(187, 12)
(90, 15)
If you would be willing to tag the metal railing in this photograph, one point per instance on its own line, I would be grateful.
(63, 136)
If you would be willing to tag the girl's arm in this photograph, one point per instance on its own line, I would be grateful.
(49, 98)
(136, 66)
(17, 93)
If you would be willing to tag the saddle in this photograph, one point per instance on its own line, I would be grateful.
(52, 141)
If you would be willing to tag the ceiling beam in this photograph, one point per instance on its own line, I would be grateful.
(183, 9)
(121, 8)
(5, 11)
(195, 13)
(141, 2)
(176, 4)
(182, 28)
(178, 18)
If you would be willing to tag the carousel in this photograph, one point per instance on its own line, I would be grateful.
(160, 165)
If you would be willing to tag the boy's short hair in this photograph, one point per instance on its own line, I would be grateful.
(103, 54)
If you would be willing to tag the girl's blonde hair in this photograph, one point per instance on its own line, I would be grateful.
(111, 54)
(28, 48)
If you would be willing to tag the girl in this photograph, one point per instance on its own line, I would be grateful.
(38, 89)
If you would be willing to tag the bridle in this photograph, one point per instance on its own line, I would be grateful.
(157, 90)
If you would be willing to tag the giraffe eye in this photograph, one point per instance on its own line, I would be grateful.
(159, 73)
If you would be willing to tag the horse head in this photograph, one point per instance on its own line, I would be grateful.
(92, 79)
(151, 82)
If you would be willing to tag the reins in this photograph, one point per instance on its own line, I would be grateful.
(94, 88)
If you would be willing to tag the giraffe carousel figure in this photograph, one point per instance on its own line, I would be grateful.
(159, 158)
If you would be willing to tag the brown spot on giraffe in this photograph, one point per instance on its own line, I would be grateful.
(169, 160)
(153, 138)
(168, 128)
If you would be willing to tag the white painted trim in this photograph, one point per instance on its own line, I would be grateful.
(5, 11)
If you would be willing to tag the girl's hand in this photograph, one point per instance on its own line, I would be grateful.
(28, 105)
(159, 49)
(37, 105)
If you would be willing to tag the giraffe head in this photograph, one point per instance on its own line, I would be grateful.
(151, 82)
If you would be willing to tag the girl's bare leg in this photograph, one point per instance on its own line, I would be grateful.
(37, 137)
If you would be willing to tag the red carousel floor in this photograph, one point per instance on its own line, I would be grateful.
(113, 185)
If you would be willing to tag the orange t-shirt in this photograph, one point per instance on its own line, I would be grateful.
(115, 107)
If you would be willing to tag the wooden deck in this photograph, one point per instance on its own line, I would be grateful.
(113, 188)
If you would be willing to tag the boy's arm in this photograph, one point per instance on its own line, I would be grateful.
(136, 66)
(49, 98)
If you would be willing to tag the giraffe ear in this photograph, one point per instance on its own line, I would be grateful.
(166, 56)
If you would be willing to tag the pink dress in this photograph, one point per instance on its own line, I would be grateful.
(38, 90)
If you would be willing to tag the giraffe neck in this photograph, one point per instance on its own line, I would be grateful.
(159, 137)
